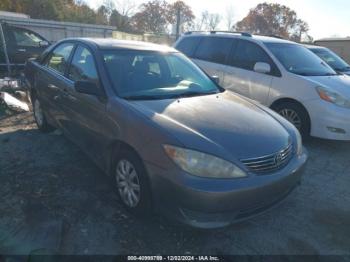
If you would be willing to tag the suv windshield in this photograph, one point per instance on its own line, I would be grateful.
(299, 60)
(153, 75)
(332, 59)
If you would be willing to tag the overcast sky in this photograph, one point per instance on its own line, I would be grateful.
(325, 17)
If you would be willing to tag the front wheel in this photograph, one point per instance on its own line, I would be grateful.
(40, 117)
(297, 115)
(132, 183)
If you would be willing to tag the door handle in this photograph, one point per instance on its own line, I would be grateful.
(21, 50)
(66, 94)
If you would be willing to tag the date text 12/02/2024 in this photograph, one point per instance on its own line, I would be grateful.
(173, 258)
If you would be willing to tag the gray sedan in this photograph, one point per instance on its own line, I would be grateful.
(173, 141)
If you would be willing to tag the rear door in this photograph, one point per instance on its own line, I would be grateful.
(240, 75)
(50, 80)
(212, 54)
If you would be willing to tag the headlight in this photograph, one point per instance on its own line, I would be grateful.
(203, 165)
(333, 97)
(299, 143)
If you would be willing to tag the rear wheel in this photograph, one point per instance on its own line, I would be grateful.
(132, 183)
(297, 115)
(40, 117)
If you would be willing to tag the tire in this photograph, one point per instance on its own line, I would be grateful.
(297, 115)
(133, 191)
(40, 118)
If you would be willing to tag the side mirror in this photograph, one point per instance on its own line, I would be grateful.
(263, 68)
(87, 87)
(216, 79)
(44, 43)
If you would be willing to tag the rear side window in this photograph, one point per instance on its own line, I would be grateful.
(58, 59)
(214, 49)
(247, 54)
(188, 45)
(83, 66)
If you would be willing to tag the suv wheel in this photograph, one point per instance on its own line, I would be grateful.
(40, 117)
(132, 184)
(297, 115)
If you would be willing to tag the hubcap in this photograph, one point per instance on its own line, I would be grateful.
(291, 116)
(128, 183)
(38, 113)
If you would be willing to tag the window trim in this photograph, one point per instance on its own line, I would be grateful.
(275, 71)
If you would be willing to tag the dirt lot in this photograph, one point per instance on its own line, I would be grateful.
(54, 198)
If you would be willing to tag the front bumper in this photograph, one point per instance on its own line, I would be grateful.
(212, 203)
(329, 121)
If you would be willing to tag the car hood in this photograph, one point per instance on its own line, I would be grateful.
(338, 83)
(223, 124)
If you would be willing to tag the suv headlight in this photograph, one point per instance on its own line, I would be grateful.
(203, 165)
(332, 97)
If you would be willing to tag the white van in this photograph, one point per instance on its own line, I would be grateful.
(280, 74)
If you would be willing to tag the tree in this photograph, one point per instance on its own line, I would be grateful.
(213, 21)
(274, 19)
(185, 13)
(207, 21)
(152, 17)
(102, 15)
(229, 17)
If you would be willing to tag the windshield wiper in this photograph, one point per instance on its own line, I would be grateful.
(192, 93)
(142, 97)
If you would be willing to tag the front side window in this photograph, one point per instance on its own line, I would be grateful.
(58, 59)
(26, 38)
(83, 66)
(247, 54)
(154, 75)
(299, 60)
(214, 49)
(332, 59)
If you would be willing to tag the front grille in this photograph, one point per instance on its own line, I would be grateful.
(269, 163)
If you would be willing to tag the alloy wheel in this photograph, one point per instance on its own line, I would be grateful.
(128, 183)
(291, 116)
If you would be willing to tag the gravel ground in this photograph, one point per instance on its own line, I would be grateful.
(54, 199)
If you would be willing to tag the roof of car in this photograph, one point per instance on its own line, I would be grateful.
(242, 35)
(111, 43)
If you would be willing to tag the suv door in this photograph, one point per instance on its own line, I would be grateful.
(23, 44)
(212, 54)
(50, 80)
(240, 75)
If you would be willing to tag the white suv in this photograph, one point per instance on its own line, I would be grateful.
(280, 74)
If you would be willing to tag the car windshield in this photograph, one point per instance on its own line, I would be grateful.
(148, 75)
(332, 59)
(299, 60)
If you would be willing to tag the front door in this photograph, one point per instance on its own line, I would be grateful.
(88, 123)
(240, 76)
